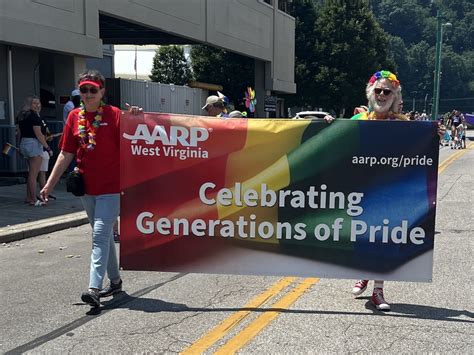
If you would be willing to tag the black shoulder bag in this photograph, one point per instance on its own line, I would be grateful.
(75, 180)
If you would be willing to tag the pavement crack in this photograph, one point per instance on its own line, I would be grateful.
(449, 190)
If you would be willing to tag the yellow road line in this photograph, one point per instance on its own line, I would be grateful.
(442, 167)
(227, 325)
(248, 333)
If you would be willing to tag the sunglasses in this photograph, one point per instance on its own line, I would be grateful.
(386, 92)
(85, 90)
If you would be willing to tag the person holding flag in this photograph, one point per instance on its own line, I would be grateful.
(33, 143)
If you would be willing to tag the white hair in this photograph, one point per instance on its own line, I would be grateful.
(396, 91)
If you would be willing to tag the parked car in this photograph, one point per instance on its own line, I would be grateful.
(310, 114)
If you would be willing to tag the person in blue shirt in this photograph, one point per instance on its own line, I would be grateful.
(74, 102)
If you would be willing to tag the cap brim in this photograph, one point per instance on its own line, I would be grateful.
(89, 82)
(204, 107)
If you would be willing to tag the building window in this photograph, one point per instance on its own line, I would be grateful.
(283, 5)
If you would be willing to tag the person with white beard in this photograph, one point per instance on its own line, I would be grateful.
(385, 95)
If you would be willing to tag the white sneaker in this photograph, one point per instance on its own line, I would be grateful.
(360, 287)
(378, 300)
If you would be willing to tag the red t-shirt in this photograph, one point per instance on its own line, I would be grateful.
(101, 166)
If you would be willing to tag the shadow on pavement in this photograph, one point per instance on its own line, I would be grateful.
(149, 305)
(427, 312)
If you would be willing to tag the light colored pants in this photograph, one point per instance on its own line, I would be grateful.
(102, 211)
(45, 163)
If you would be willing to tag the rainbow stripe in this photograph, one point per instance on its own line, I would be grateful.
(9, 149)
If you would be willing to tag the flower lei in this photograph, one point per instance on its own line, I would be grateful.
(384, 74)
(89, 142)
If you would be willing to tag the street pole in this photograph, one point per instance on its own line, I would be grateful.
(437, 75)
(439, 34)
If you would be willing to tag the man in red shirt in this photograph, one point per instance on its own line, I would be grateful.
(92, 135)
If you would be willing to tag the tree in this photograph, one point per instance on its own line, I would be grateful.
(170, 66)
(217, 66)
(349, 47)
(304, 12)
(414, 22)
(403, 18)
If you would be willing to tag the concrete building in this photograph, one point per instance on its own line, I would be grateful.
(45, 44)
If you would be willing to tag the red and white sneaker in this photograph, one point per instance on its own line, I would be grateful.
(360, 287)
(378, 301)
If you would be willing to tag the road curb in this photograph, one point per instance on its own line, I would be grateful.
(31, 229)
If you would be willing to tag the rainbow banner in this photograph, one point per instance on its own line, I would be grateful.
(350, 199)
(469, 118)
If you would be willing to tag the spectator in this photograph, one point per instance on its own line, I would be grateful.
(384, 94)
(45, 157)
(456, 119)
(457, 128)
(238, 114)
(400, 107)
(215, 107)
(92, 134)
(74, 102)
(44, 168)
(32, 143)
(360, 109)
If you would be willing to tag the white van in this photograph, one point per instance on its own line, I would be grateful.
(310, 114)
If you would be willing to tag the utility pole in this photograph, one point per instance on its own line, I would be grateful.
(437, 72)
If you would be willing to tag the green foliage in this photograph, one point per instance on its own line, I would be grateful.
(414, 23)
(402, 18)
(170, 66)
(217, 66)
(305, 16)
(352, 39)
(349, 46)
(338, 46)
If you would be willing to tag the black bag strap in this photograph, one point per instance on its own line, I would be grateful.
(79, 157)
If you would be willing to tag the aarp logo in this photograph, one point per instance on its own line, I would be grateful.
(186, 136)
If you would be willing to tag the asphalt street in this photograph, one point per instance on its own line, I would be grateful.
(41, 280)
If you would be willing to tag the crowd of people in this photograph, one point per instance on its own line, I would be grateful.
(454, 126)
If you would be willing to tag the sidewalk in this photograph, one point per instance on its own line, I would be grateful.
(19, 220)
